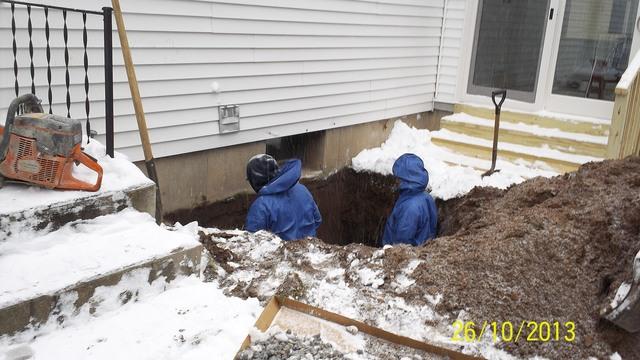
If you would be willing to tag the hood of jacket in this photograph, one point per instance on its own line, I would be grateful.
(289, 175)
(409, 168)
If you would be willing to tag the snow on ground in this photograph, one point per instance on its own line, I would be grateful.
(446, 181)
(33, 264)
(119, 174)
(190, 320)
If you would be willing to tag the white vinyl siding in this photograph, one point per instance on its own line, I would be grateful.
(292, 66)
(451, 51)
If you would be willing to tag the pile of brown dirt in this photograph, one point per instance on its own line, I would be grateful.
(547, 249)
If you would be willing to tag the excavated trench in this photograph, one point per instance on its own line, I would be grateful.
(545, 250)
(354, 207)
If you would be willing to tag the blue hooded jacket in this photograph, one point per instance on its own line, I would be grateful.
(284, 206)
(414, 217)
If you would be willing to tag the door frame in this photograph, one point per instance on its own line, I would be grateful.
(545, 100)
(589, 107)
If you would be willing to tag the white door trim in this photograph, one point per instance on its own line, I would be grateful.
(545, 99)
(588, 107)
(510, 104)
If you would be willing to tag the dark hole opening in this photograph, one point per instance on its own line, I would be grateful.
(354, 207)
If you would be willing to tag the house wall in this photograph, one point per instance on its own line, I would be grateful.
(216, 174)
(450, 58)
(293, 66)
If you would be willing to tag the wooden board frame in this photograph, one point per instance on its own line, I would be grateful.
(277, 302)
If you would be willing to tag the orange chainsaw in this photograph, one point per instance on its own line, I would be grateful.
(42, 149)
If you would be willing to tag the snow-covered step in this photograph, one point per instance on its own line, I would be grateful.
(527, 134)
(41, 270)
(524, 168)
(563, 122)
(123, 185)
(480, 148)
(189, 320)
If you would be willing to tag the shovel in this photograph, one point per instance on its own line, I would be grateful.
(496, 128)
(626, 314)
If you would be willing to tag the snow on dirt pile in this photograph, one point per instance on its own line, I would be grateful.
(545, 250)
(356, 281)
(446, 181)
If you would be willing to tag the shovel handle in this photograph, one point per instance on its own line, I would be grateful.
(493, 98)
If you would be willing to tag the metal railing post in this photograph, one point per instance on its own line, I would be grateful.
(108, 78)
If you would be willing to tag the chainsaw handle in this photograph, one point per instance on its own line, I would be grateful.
(493, 98)
(70, 182)
(30, 103)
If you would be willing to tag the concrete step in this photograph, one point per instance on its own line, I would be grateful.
(45, 275)
(17, 215)
(541, 158)
(24, 207)
(567, 123)
(528, 135)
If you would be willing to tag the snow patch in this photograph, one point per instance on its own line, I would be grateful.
(370, 277)
(190, 320)
(446, 181)
(33, 264)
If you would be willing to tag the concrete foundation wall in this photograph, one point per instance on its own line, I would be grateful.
(194, 178)
(191, 179)
(342, 144)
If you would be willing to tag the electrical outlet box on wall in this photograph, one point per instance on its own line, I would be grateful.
(229, 118)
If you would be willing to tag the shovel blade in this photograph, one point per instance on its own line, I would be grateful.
(626, 314)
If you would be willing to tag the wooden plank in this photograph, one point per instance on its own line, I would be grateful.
(528, 139)
(482, 152)
(277, 302)
(585, 127)
(616, 131)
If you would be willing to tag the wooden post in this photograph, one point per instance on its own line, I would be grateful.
(137, 104)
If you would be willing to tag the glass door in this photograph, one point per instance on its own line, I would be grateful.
(508, 47)
(595, 45)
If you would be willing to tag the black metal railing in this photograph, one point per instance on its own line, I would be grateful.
(106, 14)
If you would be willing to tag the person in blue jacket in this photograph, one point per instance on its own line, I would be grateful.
(414, 217)
(284, 206)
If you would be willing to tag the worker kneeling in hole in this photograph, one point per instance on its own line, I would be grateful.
(414, 217)
(284, 206)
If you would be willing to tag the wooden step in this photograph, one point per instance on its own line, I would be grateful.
(574, 124)
(482, 148)
(510, 135)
